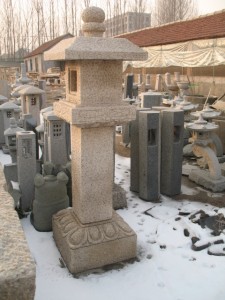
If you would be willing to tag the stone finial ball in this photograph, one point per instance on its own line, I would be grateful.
(93, 14)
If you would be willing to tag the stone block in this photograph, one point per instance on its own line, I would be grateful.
(126, 133)
(149, 155)
(172, 128)
(92, 172)
(119, 197)
(26, 167)
(17, 268)
(151, 99)
(50, 197)
(134, 152)
(94, 245)
(128, 86)
(10, 172)
(203, 178)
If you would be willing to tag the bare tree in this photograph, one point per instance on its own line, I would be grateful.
(173, 10)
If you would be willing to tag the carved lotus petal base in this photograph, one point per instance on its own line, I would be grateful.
(89, 246)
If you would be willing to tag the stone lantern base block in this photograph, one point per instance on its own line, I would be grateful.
(203, 178)
(89, 246)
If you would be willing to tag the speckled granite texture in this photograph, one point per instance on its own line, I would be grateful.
(17, 268)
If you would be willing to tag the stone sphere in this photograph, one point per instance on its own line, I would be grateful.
(93, 14)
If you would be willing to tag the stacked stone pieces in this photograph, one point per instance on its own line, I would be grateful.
(93, 106)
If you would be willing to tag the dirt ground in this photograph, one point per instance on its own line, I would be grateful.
(193, 192)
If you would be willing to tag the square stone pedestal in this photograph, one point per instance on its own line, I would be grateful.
(89, 246)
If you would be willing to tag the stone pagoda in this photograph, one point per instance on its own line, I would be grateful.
(91, 234)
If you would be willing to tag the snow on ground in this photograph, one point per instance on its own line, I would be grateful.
(166, 269)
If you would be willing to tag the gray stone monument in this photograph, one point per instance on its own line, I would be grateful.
(128, 86)
(23, 78)
(31, 102)
(7, 110)
(10, 138)
(149, 155)
(172, 129)
(91, 234)
(50, 197)
(134, 152)
(42, 86)
(150, 99)
(26, 167)
(56, 139)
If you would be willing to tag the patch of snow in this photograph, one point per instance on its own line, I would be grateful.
(167, 268)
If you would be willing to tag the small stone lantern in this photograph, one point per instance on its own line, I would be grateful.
(56, 138)
(8, 110)
(10, 138)
(202, 146)
(31, 101)
(91, 234)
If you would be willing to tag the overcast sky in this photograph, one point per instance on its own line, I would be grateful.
(209, 6)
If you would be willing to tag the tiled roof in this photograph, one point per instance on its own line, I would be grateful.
(203, 27)
(48, 45)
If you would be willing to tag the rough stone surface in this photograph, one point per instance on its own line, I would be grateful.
(149, 155)
(17, 268)
(171, 151)
(95, 48)
(92, 172)
(203, 178)
(90, 246)
(56, 139)
(150, 99)
(50, 197)
(119, 197)
(221, 130)
(26, 166)
(134, 152)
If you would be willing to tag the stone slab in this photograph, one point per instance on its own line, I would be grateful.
(82, 48)
(94, 116)
(202, 177)
(17, 267)
(94, 245)
(151, 99)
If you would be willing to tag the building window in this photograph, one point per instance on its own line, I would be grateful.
(33, 100)
(9, 114)
(31, 65)
(73, 81)
(57, 130)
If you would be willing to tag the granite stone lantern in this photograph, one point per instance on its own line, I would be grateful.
(56, 138)
(8, 110)
(31, 101)
(203, 146)
(10, 138)
(92, 234)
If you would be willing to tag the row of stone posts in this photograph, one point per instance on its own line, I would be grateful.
(156, 152)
